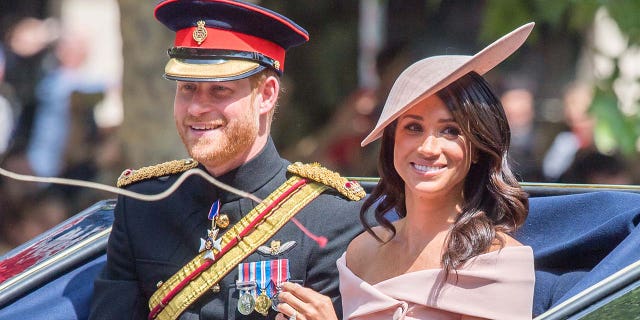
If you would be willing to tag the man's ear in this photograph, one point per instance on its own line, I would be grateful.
(269, 91)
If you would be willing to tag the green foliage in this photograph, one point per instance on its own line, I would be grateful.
(614, 129)
(502, 16)
(625, 13)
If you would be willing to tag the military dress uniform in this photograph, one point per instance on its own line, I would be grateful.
(206, 253)
(150, 241)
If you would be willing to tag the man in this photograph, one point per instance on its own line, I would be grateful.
(203, 252)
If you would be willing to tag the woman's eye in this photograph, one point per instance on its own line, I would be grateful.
(451, 131)
(413, 127)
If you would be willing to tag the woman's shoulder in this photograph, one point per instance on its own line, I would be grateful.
(504, 240)
(365, 246)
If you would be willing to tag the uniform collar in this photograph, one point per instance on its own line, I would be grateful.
(254, 174)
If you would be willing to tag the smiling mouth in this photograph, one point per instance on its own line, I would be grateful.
(205, 126)
(427, 169)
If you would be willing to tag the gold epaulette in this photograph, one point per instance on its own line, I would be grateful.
(130, 176)
(318, 173)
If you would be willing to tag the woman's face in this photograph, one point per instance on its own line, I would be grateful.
(431, 155)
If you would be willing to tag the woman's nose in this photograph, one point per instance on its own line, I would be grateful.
(430, 146)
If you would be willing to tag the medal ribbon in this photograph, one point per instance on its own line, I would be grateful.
(281, 275)
(266, 274)
(215, 210)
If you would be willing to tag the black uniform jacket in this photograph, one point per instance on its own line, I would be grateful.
(150, 241)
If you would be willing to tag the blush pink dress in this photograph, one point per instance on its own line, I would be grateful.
(494, 285)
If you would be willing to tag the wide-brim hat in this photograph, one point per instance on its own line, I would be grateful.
(428, 76)
(224, 40)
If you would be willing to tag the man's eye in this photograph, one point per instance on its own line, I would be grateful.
(188, 88)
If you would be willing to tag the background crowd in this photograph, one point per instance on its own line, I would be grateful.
(61, 98)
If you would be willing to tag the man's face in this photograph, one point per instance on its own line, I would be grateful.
(217, 121)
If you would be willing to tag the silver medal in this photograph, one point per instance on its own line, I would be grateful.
(246, 303)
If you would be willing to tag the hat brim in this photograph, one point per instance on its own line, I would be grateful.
(428, 76)
(210, 70)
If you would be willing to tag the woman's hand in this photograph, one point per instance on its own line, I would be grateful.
(300, 303)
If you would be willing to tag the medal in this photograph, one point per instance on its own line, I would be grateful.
(263, 277)
(246, 302)
(263, 303)
(279, 274)
(275, 301)
(210, 243)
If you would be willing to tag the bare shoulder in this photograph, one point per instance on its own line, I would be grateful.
(362, 248)
(506, 240)
(510, 241)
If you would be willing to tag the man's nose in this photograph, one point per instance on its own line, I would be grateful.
(200, 103)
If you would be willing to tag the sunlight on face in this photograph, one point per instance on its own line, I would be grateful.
(217, 121)
(431, 155)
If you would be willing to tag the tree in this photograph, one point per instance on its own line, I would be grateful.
(618, 121)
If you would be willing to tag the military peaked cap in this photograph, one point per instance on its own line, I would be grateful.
(224, 40)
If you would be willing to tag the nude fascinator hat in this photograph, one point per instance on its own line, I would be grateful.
(428, 76)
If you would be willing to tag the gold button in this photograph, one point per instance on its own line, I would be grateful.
(159, 284)
(215, 288)
(222, 221)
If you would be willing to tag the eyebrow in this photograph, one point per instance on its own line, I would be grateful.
(417, 117)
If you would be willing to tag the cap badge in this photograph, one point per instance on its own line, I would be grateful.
(200, 33)
(276, 64)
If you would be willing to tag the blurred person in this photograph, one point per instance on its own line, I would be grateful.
(593, 167)
(53, 117)
(576, 101)
(28, 44)
(7, 120)
(527, 141)
(337, 144)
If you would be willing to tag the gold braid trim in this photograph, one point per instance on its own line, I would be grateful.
(223, 265)
(314, 171)
(130, 176)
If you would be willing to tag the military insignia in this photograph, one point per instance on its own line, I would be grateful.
(210, 243)
(200, 33)
(246, 301)
(259, 284)
(130, 176)
(263, 303)
(276, 64)
(276, 248)
(222, 221)
(350, 189)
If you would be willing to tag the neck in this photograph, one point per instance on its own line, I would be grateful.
(218, 169)
(428, 217)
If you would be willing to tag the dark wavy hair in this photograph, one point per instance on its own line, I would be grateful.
(493, 199)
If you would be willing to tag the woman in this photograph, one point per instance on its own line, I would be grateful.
(443, 169)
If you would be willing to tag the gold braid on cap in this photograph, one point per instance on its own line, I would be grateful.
(314, 171)
(130, 176)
